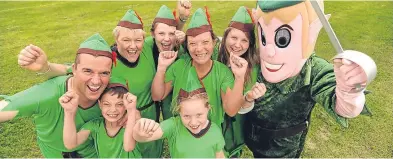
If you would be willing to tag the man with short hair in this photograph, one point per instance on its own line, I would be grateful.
(91, 73)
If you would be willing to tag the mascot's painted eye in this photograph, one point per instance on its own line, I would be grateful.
(263, 38)
(283, 38)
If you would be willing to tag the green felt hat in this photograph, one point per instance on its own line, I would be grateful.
(118, 82)
(272, 5)
(200, 23)
(131, 20)
(242, 20)
(193, 85)
(165, 15)
(96, 46)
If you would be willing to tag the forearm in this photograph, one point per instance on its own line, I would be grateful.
(349, 105)
(235, 100)
(69, 131)
(54, 70)
(158, 86)
(6, 115)
(129, 141)
(180, 24)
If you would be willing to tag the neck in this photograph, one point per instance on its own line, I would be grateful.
(111, 125)
(83, 101)
(202, 69)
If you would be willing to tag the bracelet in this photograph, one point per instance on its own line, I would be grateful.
(182, 20)
(245, 98)
(42, 73)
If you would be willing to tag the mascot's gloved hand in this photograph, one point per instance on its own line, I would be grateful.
(353, 70)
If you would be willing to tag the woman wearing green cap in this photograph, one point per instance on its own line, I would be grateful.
(239, 40)
(223, 90)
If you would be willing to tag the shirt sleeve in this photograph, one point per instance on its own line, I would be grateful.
(220, 143)
(227, 80)
(323, 88)
(168, 127)
(92, 126)
(170, 74)
(34, 100)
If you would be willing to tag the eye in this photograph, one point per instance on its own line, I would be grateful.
(282, 38)
(199, 115)
(234, 38)
(87, 71)
(186, 116)
(161, 33)
(120, 104)
(105, 74)
(205, 42)
(192, 44)
(263, 36)
(106, 104)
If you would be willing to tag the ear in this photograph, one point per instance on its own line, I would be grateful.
(152, 33)
(73, 69)
(314, 29)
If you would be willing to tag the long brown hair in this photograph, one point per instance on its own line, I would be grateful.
(250, 55)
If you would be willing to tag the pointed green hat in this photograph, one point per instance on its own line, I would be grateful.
(118, 82)
(272, 5)
(131, 20)
(242, 20)
(165, 15)
(200, 23)
(95, 45)
(193, 85)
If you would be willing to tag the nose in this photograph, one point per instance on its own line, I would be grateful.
(167, 37)
(132, 44)
(237, 44)
(193, 122)
(270, 50)
(96, 79)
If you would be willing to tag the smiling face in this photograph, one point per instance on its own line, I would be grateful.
(236, 42)
(193, 113)
(280, 48)
(164, 36)
(111, 104)
(91, 75)
(200, 47)
(129, 42)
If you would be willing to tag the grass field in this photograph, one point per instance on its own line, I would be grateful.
(59, 28)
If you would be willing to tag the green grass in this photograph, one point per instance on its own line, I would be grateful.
(59, 27)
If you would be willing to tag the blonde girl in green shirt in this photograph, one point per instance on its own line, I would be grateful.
(190, 134)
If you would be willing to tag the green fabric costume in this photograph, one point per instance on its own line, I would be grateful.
(42, 102)
(287, 104)
(218, 80)
(182, 144)
(44, 107)
(107, 146)
(139, 75)
(233, 126)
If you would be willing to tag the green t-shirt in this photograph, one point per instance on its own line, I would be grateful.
(182, 144)
(218, 79)
(106, 146)
(139, 80)
(42, 102)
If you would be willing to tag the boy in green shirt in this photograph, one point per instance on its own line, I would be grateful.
(110, 139)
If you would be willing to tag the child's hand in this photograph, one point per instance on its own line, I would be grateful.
(147, 127)
(69, 101)
(257, 91)
(129, 101)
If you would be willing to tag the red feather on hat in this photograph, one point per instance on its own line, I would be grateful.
(249, 12)
(208, 17)
(114, 56)
(140, 19)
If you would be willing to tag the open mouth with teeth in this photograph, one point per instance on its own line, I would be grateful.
(166, 47)
(194, 128)
(272, 67)
(132, 52)
(113, 115)
(94, 89)
(201, 56)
